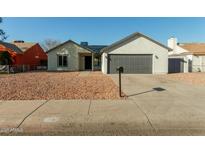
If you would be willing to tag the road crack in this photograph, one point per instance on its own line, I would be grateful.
(31, 114)
(89, 108)
(148, 120)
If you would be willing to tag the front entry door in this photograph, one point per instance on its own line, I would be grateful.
(88, 62)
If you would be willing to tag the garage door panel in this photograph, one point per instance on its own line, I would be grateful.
(133, 64)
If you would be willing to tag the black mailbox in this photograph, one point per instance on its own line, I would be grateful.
(120, 69)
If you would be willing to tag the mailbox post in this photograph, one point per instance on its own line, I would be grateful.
(120, 70)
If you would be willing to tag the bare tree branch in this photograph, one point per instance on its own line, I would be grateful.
(49, 44)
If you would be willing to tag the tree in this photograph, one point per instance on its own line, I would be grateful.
(6, 59)
(49, 44)
(2, 33)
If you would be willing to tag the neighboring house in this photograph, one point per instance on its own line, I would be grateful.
(186, 57)
(71, 56)
(33, 54)
(28, 54)
(138, 54)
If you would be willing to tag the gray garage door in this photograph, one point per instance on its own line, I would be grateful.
(176, 65)
(133, 64)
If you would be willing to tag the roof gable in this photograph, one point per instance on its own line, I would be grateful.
(128, 39)
(69, 41)
(24, 45)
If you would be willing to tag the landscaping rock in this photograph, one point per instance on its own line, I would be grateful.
(57, 85)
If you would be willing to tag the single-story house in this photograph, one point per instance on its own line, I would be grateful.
(186, 57)
(137, 53)
(25, 54)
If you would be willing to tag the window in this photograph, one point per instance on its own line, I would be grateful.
(97, 61)
(62, 61)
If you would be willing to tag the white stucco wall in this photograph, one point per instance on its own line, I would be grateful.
(198, 64)
(177, 50)
(142, 45)
(72, 51)
(203, 64)
(172, 43)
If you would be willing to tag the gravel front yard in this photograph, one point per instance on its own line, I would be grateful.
(51, 85)
(190, 78)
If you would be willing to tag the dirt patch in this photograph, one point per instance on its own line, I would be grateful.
(190, 78)
(55, 85)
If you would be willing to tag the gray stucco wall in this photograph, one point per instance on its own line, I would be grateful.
(142, 45)
(72, 51)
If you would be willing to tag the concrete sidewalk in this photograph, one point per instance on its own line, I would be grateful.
(102, 117)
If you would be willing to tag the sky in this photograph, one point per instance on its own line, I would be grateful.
(102, 31)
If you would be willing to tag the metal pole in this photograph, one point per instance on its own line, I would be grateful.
(120, 83)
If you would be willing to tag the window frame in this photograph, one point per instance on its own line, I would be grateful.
(62, 60)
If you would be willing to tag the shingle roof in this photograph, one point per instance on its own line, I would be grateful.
(194, 48)
(96, 48)
(11, 46)
(24, 45)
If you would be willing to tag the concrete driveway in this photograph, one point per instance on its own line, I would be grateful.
(172, 107)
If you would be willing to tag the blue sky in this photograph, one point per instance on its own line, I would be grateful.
(103, 30)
